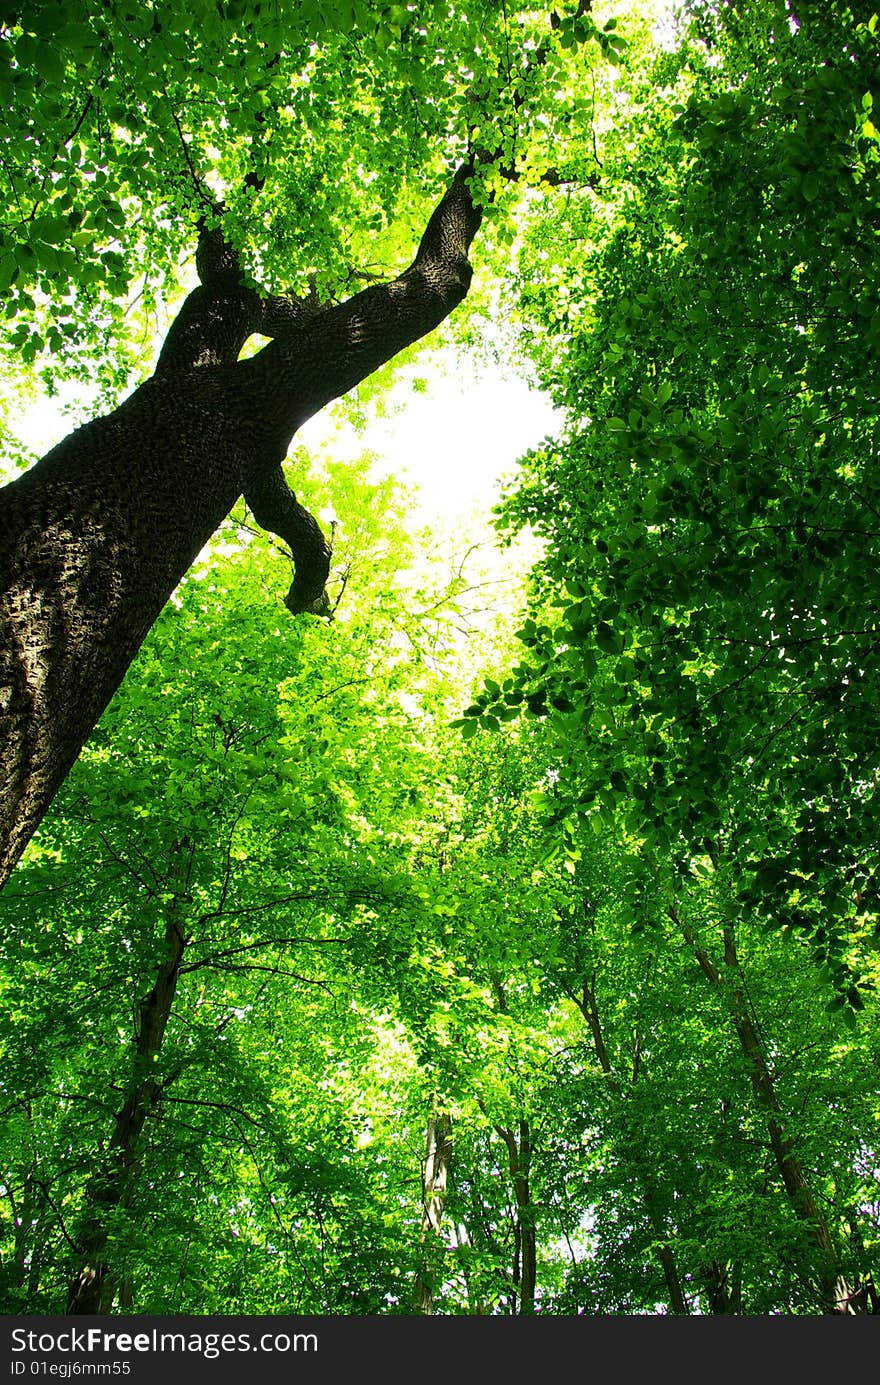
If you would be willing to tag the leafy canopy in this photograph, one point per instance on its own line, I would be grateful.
(324, 130)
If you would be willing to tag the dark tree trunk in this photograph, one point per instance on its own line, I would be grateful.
(97, 1285)
(831, 1292)
(96, 536)
(525, 1262)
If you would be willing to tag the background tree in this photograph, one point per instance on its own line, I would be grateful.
(703, 631)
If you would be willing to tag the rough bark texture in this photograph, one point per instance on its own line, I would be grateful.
(96, 536)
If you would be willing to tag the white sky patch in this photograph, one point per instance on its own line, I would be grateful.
(41, 425)
(455, 441)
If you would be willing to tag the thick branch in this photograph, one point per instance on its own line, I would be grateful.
(282, 316)
(293, 378)
(96, 536)
(217, 318)
(276, 508)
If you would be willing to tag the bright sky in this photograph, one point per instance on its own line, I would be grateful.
(454, 441)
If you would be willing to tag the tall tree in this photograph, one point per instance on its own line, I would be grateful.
(97, 535)
(234, 822)
(435, 1179)
(703, 638)
(123, 134)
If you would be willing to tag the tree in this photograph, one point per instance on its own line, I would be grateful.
(281, 914)
(126, 132)
(703, 634)
(223, 859)
(97, 535)
(290, 910)
(91, 553)
(435, 1177)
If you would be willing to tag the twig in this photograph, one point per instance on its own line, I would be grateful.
(196, 180)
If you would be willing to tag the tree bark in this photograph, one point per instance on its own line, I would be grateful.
(435, 1179)
(96, 536)
(519, 1161)
(723, 1288)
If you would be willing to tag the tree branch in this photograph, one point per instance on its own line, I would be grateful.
(290, 380)
(275, 507)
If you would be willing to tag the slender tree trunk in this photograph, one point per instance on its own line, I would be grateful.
(435, 1180)
(863, 1297)
(519, 1163)
(25, 1218)
(96, 1285)
(791, 1171)
(96, 536)
(723, 1288)
(588, 1005)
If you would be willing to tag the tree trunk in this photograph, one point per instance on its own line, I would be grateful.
(723, 1288)
(589, 1008)
(435, 1179)
(791, 1171)
(95, 1286)
(96, 536)
(525, 1269)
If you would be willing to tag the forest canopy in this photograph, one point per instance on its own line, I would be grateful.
(415, 948)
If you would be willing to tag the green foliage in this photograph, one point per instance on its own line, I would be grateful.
(705, 621)
(379, 923)
(325, 130)
(221, 793)
(587, 939)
